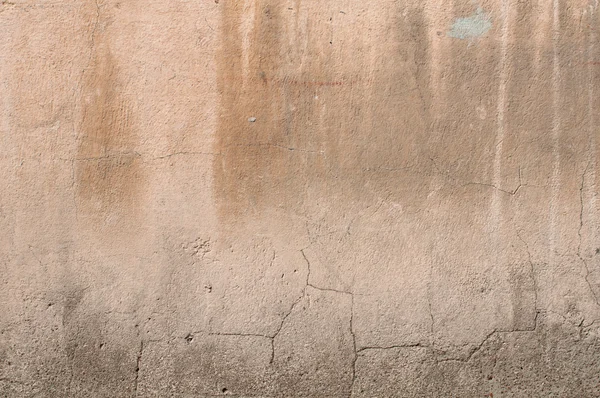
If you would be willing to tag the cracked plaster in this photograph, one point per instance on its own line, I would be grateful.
(407, 213)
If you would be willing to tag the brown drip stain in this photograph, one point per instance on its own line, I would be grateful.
(299, 121)
(108, 173)
(247, 168)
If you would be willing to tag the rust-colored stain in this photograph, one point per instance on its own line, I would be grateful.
(295, 118)
(311, 83)
(108, 171)
(248, 172)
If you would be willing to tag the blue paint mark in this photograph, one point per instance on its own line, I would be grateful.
(471, 27)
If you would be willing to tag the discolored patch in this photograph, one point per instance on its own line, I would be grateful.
(108, 172)
(471, 27)
(305, 110)
(101, 360)
(245, 95)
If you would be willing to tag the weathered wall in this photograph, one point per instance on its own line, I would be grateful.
(324, 198)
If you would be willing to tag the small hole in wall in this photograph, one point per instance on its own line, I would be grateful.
(224, 390)
(598, 250)
(101, 345)
(189, 338)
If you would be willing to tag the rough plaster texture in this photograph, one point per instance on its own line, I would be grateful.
(333, 198)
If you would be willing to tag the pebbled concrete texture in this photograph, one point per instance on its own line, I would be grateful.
(278, 198)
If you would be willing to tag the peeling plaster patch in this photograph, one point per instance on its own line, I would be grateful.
(471, 27)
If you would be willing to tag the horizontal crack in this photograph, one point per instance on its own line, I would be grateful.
(240, 335)
(329, 290)
(464, 183)
(391, 347)
(270, 145)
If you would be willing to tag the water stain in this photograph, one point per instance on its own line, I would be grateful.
(101, 362)
(254, 154)
(327, 112)
(523, 296)
(108, 173)
(471, 27)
